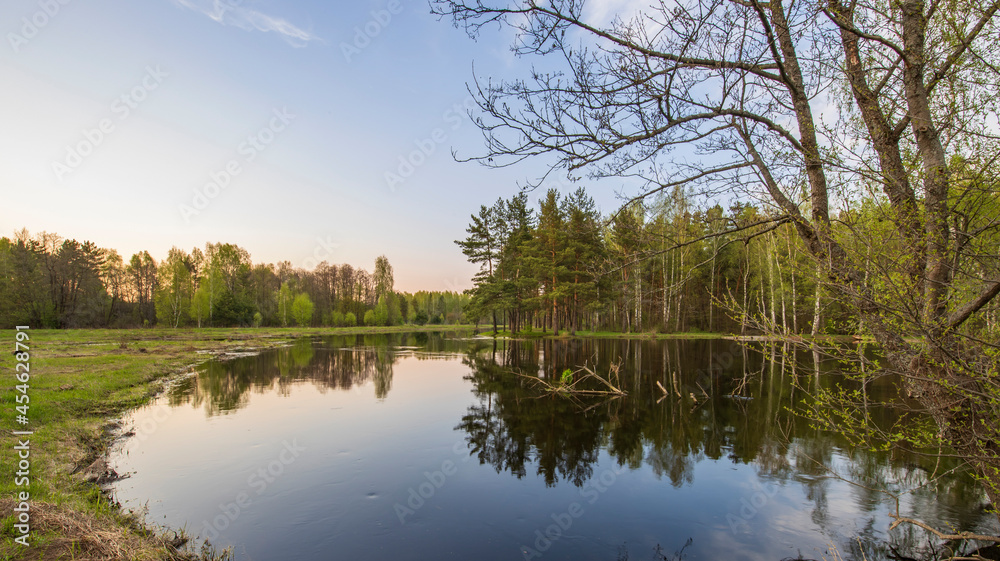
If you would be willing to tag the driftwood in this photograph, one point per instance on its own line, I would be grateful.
(572, 388)
(959, 536)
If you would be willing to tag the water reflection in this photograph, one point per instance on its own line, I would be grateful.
(717, 456)
(331, 363)
(723, 401)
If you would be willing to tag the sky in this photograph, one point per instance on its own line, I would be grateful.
(300, 130)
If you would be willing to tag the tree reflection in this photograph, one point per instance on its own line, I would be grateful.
(335, 363)
(723, 402)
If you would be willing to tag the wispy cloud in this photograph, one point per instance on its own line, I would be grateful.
(238, 14)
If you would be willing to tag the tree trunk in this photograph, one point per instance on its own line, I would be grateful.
(711, 288)
(781, 284)
(816, 308)
(680, 289)
(791, 258)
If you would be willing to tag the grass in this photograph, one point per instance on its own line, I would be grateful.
(80, 380)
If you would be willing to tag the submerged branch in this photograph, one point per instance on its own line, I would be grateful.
(960, 536)
(572, 387)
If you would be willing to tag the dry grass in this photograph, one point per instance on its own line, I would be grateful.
(63, 533)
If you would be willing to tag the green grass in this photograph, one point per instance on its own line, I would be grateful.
(79, 380)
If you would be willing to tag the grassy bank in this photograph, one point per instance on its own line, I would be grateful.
(80, 380)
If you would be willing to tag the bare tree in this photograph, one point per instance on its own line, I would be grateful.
(869, 124)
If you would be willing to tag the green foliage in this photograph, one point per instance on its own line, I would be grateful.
(285, 301)
(175, 289)
(302, 309)
(370, 318)
(382, 277)
(663, 268)
(350, 320)
(46, 281)
(233, 310)
(201, 305)
(337, 319)
(380, 314)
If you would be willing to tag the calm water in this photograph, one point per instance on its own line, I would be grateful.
(427, 446)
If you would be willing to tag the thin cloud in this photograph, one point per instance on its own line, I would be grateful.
(236, 13)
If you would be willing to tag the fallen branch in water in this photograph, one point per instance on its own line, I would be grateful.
(662, 389)
(571, 388)
(960, 536)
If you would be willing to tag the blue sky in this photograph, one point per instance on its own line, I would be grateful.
(143, 125)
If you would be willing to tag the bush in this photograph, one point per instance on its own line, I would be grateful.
(350, 320)
(370, 317)
(337, 319)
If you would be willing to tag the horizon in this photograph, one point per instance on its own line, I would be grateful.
(283, 128)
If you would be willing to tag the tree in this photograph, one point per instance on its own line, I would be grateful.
(743, 81)
(175, 289)
(382, 276)
(381, 312)
(302, 309)
(545, 257)
(286, 298)
(420, 318)
(114, 279)
(481, 247)
(263, 287)
(584, 254)
(23, 285)
(141, 273)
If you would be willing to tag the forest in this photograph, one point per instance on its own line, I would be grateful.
(666, 266)
(47, 281)
(866, 130)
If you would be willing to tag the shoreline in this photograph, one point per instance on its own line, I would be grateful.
(82, 381)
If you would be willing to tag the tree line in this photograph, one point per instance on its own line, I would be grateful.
(665, 266)
(51, 282)
(868, 127)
